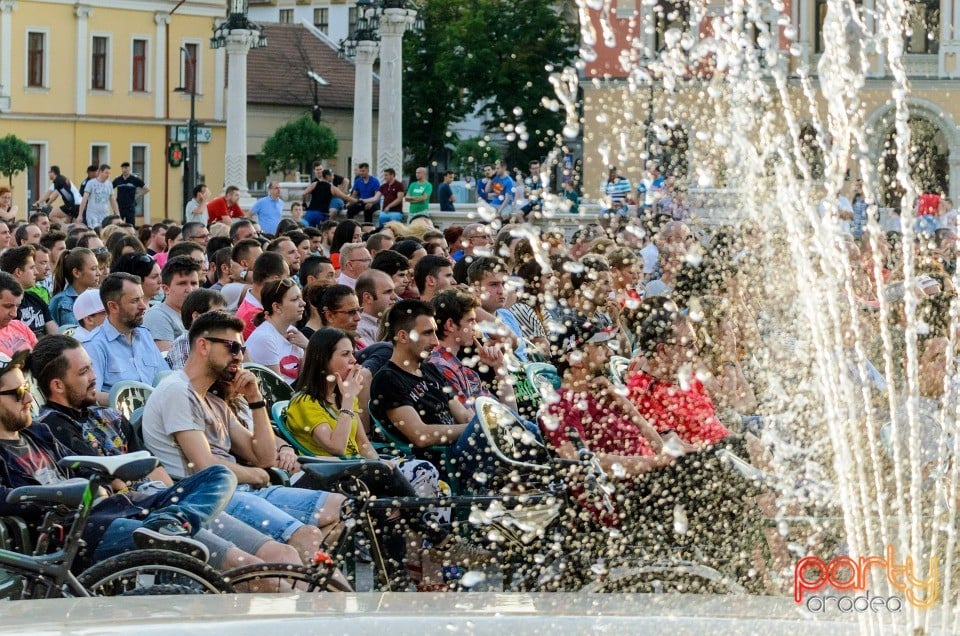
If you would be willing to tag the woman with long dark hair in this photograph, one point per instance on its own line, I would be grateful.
(346, 232)
(323, 415)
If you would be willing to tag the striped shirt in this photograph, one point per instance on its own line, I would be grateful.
(617, 191)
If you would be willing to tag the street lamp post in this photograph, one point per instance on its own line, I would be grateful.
(385, 21)
(238, 35)
(191, 165)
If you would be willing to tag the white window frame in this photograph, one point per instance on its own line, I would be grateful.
(147, 75)
(199, 65)
(145, 206)
(104, 144)
(109, 70)
(45, 31)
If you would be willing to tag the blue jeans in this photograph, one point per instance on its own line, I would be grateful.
(472, 453)
(315, 217)
(199, 498)
(386, 217)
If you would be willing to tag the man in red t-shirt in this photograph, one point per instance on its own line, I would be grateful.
(607, 422)
(225, 206)
(669, 345)
(391, 192)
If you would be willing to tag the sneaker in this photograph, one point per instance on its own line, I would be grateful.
(459, 552)
(170, 537)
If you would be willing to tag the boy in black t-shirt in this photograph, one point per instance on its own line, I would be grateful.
(411, 397)
(33, 312)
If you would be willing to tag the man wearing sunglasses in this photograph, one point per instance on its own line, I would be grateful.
(28, 457)
(121, 349)
(63, 372)
(188, 428)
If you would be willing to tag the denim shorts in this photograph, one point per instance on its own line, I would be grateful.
(240, 534)
(276, 511)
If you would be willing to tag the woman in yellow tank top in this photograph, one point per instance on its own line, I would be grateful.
(322, 416)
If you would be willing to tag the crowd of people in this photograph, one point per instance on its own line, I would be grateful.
(393, 331)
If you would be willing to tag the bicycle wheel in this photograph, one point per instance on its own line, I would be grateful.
(21, 587)
(148, 568)
(279, 577)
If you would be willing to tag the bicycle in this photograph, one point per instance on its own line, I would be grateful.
(138, 572)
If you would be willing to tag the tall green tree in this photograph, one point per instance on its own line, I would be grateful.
(503, 50)
(294, 146)
(433, 100)
(15, 157)
(489, 55)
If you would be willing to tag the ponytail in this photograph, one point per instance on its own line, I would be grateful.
(259, 318)
(68, 261)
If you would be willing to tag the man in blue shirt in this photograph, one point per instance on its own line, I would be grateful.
(502, 191)
(445, 193)
(120, 349)
(485, 184)
(269, 209)
(366, 189)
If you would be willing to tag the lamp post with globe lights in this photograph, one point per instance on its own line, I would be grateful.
(385, 21)
(237, 34)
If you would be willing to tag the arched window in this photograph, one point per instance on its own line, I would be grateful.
(928, 161)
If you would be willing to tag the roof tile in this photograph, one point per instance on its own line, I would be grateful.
(277, 73)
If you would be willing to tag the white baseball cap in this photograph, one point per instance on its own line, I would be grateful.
(87, 304)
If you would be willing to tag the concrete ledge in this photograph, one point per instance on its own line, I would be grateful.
(418, 614)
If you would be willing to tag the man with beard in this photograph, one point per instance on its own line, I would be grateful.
(29, 456)
(189, 427)
(121, 349)
(65, 376)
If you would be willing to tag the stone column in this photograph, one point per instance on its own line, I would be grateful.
(239, 43)
(161, 19)
(82, 74)
(363, 102)
(393, 24)
(949, 53)
(7, 7)
(648, 22)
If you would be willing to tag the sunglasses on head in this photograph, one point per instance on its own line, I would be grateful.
(236, 349)
(285, 282)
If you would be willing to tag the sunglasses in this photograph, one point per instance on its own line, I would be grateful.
(236, 349)
(20, 391)
(98, 251)
(285, 282)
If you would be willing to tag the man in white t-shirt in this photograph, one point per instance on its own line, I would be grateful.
(98, 201)
(196, 208)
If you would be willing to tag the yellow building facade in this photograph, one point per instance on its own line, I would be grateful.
(95, 82)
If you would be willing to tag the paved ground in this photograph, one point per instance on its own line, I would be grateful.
(429, 613)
